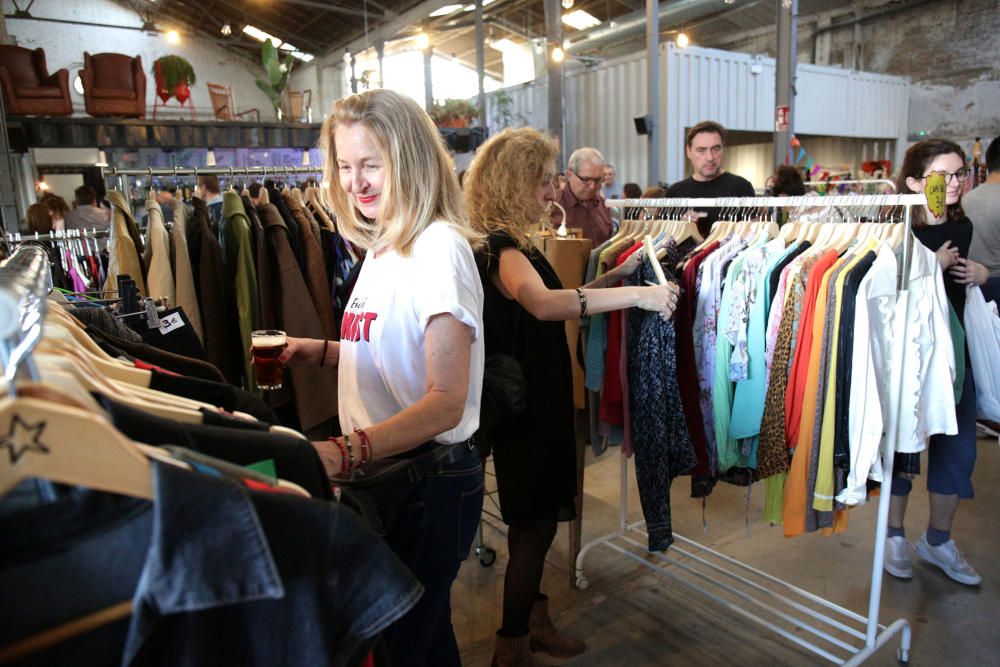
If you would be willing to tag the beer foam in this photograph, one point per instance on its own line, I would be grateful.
(268, 341)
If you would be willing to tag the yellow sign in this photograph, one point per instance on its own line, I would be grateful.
(936, 190)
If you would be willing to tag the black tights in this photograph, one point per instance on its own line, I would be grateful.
(528, 541)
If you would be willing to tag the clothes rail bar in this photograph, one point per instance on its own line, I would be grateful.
(874, 634)
(108, 172)
(25, 281)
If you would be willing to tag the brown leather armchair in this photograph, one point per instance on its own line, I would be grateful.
(28, 88)
(113, 85)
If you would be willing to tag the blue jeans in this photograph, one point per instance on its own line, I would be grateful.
(432, 535)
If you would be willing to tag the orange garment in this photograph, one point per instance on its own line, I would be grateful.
(803, 347)
(797, 492)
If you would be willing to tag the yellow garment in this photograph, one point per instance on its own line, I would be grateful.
(823, 494)
(123, 256)
(160, 278)
(794, 510)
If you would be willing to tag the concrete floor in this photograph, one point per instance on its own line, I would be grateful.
(629, 616)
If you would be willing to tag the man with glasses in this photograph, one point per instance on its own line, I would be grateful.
(982, 205)
(705, 146)
(581, 198)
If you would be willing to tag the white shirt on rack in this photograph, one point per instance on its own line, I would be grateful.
(869, 394)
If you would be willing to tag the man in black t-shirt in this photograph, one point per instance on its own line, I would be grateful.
(705, 145)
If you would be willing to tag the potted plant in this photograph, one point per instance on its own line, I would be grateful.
(174, 77)
(277, 75)
(454, 113)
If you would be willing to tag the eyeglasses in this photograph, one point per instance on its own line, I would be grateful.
(960, 175)
(596, 181)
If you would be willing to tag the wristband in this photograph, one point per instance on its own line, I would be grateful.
(583, 301)
(322, 358)
(344, 461)
(366, 446)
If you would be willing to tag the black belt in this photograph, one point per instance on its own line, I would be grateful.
(440, 454)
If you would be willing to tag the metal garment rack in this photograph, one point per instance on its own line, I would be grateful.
(25, 281)
(804, 625)
(263, 172)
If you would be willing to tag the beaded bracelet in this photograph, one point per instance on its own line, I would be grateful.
(583, 301)
(350, 452)
(322, 358)
(366, 446)
(344, 459)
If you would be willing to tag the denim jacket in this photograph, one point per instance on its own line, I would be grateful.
(216, 574)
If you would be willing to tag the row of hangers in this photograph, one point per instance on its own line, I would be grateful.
(57, 429)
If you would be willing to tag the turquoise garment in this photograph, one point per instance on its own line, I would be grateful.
(748, 399)
(770, 270)
(722, 387)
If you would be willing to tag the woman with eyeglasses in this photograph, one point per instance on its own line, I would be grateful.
(951, 458)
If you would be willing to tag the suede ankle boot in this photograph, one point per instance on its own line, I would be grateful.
(513, 652)
(545, 637)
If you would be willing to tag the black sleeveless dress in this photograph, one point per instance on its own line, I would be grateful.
(535, 455)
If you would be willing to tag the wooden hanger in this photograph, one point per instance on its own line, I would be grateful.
(263, 198)
(68, 445)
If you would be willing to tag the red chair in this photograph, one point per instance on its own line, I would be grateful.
(28, 88)
(113, 85)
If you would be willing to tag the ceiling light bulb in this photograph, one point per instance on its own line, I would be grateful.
(210, 158)
(423, 41)
(173, 37)
(682, 40)
(102, 158)
(558, 55)
(567, 4)
(227, 29)
(43, 186)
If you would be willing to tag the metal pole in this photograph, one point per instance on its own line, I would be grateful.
(554, 38)
(653, 91)
(428, 81)
(481, 62)
(784, 88)
(380, 50)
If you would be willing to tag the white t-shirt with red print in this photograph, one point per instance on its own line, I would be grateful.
(382, 367)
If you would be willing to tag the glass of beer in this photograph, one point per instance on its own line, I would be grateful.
(266, 346)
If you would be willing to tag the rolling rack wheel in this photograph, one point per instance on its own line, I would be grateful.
(486, 555)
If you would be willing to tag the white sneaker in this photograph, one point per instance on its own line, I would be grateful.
(947, 557)
(897, 558)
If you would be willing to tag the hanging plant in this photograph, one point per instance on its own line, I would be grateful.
(454, 113)
(174, 76)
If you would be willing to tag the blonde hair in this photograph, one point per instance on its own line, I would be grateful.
(502, 180)
(420, 183)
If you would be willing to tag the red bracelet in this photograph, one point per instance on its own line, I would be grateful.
(345, 464)
(366, 446)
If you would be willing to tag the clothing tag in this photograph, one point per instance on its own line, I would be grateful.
(171, 322)
(265, 467)
(936, 190)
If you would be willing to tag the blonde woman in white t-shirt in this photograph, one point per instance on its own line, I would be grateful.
(410, 354)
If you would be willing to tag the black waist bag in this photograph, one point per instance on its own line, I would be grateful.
(379, 489)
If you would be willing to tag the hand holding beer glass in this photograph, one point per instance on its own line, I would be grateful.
(266, 347)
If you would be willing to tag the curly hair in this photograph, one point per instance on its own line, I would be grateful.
(786, 180)
(501, 182)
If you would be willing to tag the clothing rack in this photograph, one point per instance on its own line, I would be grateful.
(58, 235)
(763, 591)
(25, 281)
(263, 172)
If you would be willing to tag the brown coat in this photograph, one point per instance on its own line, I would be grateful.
(317, 279)
(218, 315)
(295, 313)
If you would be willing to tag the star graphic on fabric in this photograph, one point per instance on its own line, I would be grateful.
(22, 438)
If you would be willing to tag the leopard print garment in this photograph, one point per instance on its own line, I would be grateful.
(772, 455)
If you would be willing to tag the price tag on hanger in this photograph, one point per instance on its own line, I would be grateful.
(171, 322)
(936, 190)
